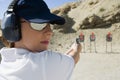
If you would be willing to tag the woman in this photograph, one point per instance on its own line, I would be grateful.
(28, 58)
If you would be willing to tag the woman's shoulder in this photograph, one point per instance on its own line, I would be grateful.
(57, 56)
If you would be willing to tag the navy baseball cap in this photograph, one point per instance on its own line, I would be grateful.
(37, 11)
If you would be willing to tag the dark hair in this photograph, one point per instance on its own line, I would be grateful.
(6, 43)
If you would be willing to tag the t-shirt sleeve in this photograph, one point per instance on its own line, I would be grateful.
(63, 64)
(2, 78)
(68, 64)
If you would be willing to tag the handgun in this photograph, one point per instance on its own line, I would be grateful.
(78, 40)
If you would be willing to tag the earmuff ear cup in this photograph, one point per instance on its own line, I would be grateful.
(11, 27)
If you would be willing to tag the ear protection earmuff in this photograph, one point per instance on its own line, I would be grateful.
(11, 30)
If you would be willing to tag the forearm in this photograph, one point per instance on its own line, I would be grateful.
(74, 51)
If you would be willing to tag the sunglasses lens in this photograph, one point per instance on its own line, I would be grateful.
(39, 27)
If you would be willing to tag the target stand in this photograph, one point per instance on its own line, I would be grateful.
(82, 39)
(93, 41)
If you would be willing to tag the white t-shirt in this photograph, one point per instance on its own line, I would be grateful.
(21, 64)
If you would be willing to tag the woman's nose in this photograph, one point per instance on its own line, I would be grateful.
(48, 30)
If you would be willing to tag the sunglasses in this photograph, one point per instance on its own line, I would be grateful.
(39, 27)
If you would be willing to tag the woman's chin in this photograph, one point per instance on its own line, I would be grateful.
(43, 49)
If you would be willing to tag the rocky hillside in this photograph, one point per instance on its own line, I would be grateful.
(90, 14)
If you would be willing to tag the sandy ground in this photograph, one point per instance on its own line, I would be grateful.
(93, 66)
(97, 67)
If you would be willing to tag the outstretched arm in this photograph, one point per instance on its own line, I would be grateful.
(74, 51)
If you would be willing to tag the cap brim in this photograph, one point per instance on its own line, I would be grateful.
(45, 18)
